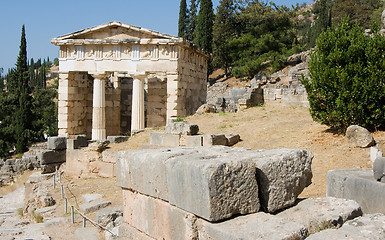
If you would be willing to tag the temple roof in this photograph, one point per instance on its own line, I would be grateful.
(113, 32)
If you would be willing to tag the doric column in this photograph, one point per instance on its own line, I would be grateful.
(137, 114)
(99, 107)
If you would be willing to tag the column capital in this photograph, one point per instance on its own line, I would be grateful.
(98, 75)
(140, 75)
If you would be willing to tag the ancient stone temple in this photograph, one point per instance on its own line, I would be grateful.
(115, 78)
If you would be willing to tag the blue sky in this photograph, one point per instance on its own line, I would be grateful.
(45, 19)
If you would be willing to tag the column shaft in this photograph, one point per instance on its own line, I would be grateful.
(99, 109)
(137, 121)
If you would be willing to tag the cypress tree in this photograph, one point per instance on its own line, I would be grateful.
(204, 29)
(182, 24)
(23, 115)
(192, 20)
(223, 30)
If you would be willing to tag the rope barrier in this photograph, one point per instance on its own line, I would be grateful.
(73, 208)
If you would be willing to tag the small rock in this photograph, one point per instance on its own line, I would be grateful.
(206, 108)
(117, 139)
(98, 146)
(181, 128)
(379, 169)
(359, 137)
(108, 215)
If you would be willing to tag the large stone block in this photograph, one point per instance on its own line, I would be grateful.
(191, 141)
(56, 143)
(358, 185)
(182, 128)
(250, 227)
(128, 232)
(51, 156)
(157, 218)
(282, 174)
(199, 180)
(164, 139)
(211, 186)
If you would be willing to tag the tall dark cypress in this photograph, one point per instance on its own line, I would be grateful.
(204, 28)
(192, 20)
(182, 23)
(22, 119)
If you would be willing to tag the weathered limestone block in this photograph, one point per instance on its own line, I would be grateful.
(358, 185)
(103, 169)
(232, 139)
(227, 185)
(282, 174)
(108, 215)
(375, 153)
(51, 156)
(366, 227)
(77, 141)
(191, 141)
(89, 233)
(182, 128)
(317, 210)
(56, 143)
(50, 168)
(359, 137)
(250, 227)
(214, 139)
(157, 218)
(164, 139)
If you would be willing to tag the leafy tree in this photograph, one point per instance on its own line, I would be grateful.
(347, 85)
(204, 29)
(182, 24)
(264, 38)
(56, 61)
(223, 30)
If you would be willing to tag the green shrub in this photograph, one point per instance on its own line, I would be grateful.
(347, 85)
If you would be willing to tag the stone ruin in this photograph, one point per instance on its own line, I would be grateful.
(221, 193)
(186, 134)
(283, 87)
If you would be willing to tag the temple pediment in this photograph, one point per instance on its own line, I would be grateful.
(112, 32)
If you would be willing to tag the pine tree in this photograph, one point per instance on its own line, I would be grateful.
(182, 24)
(192, 20)
(223, 30)
(204, 29)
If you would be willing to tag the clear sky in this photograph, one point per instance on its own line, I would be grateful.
(45, 19)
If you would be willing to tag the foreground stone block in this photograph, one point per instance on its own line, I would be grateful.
(191, 141)
(76, 142)
(57, 143)
(313, 211)
(232, 138)
(157, 218)
(365, 227)
(51, 156)
(250, 227)
(379, 169)
(282, 174)
(208, 182)
(358, 185)
(181, 128)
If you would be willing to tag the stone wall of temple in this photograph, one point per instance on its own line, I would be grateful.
(112, 106)
(192, 85)
(156, 107)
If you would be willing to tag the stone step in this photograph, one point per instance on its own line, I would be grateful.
(94, 205)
